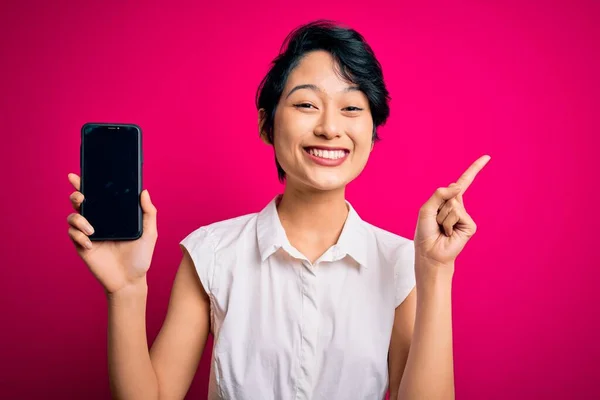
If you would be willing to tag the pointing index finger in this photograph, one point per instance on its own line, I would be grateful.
(469, 175)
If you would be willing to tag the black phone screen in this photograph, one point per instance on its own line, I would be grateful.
(111, 180)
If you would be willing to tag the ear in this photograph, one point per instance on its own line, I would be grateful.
(262, 117)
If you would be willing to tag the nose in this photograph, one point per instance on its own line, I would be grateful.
(328, 126)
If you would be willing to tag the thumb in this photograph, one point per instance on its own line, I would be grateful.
(149, 212)
(459, 195)
(439, 197)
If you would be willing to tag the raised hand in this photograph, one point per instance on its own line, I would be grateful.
(444, 227)
(116, 264)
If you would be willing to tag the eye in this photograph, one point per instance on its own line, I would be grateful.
(303, 105)
(352, 108)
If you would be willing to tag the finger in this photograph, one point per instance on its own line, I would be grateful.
(76, 200)
(77, 221)
(79, 238)
(75, 180)
(451, 220)
(442, 214)
(467, 225)
(451, 186)
(469, 175)
(446, 209)
(150, 211)
(459, 198)
(436, 201)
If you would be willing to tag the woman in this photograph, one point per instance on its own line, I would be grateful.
(304, 298)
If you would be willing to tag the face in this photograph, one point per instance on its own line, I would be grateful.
(323, 126)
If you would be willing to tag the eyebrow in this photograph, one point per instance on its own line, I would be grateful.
(315, 88)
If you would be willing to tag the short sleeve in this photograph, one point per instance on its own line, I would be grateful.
(404, 272)
(199, 245)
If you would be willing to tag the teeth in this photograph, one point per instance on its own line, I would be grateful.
(328, 154)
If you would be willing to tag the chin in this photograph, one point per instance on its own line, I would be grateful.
(327, 181)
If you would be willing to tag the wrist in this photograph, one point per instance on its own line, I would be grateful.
(131, 290)
(431, 273)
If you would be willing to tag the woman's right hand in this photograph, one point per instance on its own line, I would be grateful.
(116, 264)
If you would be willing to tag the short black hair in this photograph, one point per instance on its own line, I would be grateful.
(352, 54)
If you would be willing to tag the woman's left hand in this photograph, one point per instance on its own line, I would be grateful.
(444, 227)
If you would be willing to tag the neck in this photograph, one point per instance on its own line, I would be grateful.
(319, 213)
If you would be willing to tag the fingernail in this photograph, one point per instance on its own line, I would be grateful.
(88, 244)
(89, 230)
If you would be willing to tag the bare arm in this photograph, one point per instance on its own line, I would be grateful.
(178, 347)
(166, 371)
(443, 229)
(130, 370)
(402, 332)
(429, 372)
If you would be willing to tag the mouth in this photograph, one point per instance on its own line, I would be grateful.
(327, 156)
(327, 153)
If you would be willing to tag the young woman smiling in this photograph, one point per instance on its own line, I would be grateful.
(305, 299)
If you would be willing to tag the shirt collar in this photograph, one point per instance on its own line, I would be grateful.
(353, 239)
(271, 235)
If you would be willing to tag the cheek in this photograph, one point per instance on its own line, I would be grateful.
(363, 141)
(360, 159)
(287, 130)
(285, 148)
(284, 144)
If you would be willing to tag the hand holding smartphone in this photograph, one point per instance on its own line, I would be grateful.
(111, 209)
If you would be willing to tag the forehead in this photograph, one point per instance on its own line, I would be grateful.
(317, 68)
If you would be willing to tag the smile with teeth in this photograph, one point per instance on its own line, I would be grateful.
(327, 154)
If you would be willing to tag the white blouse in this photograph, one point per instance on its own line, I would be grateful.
(288, 329)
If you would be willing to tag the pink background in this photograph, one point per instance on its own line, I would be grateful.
(510, 79)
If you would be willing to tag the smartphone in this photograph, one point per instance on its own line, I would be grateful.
(111, 180)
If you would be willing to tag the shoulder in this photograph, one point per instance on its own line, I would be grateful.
(205, 243)
(221, 233)
(386, 242)
(397, 254)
